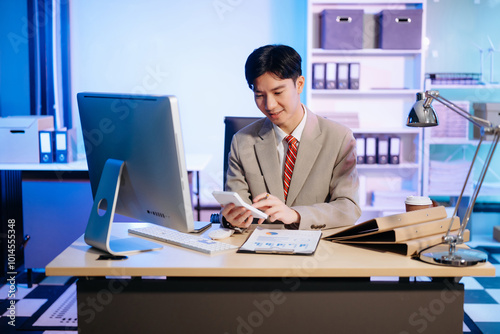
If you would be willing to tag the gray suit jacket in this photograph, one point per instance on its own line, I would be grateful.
(324, 185)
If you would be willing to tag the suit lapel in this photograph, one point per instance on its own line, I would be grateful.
(307, 153)
(268, 160)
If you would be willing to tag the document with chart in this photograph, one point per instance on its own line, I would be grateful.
(274, 241)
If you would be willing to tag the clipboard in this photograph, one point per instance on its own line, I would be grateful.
(281, 241)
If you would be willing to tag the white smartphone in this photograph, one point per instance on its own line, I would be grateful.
(226, 197)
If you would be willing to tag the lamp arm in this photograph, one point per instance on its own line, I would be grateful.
(472, 202)
(465, 183)
(486, 128)
(479, 122)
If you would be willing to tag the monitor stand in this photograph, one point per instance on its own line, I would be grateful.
(98, 232)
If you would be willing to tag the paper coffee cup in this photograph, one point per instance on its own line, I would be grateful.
(417, 203)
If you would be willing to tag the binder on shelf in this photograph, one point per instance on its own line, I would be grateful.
(360, 149)
(370, 150)
(318, 74)
(46, 146)
(331, 75)
(62, 152)
(394, 150)
(382, 150)
(354, 76)
(342, 76)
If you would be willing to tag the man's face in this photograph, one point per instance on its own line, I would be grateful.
(279, 100)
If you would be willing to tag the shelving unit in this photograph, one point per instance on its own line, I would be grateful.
(467, 146)
(478, 87)
(389, 81)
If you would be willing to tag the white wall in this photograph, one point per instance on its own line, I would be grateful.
(193, 49)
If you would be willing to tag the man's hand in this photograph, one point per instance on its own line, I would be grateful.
(238, 216)
(276, 209)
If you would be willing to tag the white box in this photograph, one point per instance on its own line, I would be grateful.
(488, 111)
(19, 138)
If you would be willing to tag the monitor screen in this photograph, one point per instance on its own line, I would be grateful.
(142, 134)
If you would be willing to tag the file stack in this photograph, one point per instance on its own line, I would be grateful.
(405, 233)
(335, 75)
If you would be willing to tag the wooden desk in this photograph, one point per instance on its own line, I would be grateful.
(45, 218)
(250, 293)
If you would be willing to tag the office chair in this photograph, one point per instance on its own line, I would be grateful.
(233, 125)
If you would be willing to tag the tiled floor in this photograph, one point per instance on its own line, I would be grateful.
(482, 300)
(482, 303)
(31, 303)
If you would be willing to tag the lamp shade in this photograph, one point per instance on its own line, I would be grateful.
(422, 114)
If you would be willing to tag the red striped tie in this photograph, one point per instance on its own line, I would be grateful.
(291, 155)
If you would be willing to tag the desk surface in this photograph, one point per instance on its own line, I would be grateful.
(330, 260)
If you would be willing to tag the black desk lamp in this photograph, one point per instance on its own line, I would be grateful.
(446, 253)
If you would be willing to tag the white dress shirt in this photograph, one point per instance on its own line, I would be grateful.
(281, 135)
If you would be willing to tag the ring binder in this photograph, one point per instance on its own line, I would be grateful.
(46, 138)
(382, 150)
(61, 146)
(331, 76)
(394, 149)
(318, 76)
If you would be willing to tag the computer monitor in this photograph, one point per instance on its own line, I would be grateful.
(136, 164)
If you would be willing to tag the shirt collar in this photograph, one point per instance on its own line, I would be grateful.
(297, 133)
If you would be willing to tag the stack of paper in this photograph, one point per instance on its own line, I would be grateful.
(405, 233)
(349, 119)
(451, 124)
(449, 177)
(391, 199)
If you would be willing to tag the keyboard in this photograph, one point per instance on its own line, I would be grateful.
(187, 240)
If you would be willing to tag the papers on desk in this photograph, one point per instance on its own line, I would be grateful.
(273, 241)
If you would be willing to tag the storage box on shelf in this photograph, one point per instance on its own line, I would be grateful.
(19, 137)
(385, 84)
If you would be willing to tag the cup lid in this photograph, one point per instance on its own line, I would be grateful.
(418, 200)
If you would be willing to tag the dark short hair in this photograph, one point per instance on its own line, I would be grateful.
(280, 60)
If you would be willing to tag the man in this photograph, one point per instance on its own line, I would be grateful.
(315, 185)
